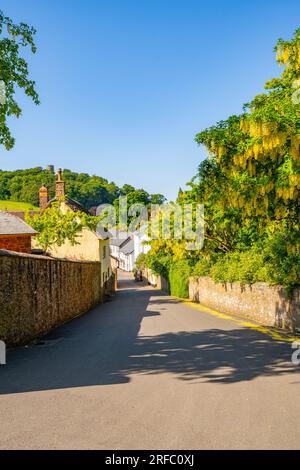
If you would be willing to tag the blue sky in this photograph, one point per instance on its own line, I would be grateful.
(126, 84)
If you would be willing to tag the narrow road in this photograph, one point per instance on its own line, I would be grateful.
(147, 371)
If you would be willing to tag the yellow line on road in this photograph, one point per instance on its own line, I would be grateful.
(276, 334)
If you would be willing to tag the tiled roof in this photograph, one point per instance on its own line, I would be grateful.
(74, 205)
(128, 247)
(12, 225)
(119, 238)
(102, 233)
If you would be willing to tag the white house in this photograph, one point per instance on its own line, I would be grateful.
(140, 239)
(126, 247)
(126, 255)
(118, 238)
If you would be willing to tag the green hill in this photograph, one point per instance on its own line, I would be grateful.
(89, 190)
(16, 206)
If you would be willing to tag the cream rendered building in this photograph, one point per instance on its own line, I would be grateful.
(91, 245)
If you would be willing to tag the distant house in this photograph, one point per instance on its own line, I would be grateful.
(141, 242)
(15, 234)
(126, 255)
(92, 245)
(117, 240)
(126, 247)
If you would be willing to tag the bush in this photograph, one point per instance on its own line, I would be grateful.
(274, 263)
(140, 261)
(202, 268)
(159, 263)
(179, 275)
(245, 267)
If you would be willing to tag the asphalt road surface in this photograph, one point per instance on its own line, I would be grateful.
(146, 371)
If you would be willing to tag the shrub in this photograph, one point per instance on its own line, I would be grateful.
(202, 268)
(159, 263)
(179, 275)
(140, 261)
(274, 263)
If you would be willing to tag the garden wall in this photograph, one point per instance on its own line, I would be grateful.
(155, 280)
(38, 293)
(268, 305)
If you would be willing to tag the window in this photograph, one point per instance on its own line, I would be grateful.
(104, 252)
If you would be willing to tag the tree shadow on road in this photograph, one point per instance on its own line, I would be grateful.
(104, 347)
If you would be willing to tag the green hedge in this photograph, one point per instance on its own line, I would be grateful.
(179, 275)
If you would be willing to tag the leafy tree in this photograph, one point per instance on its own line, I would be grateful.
(14, 72)
(126, 189)
(157, 199)
(55, 227)
(23, 185)
(250, 185)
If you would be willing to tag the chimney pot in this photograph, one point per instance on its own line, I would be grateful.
(60, 185)
(43, 197)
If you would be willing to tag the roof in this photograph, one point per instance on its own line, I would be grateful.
(102, 233)
(74, 205)
(21, 214)
(12, 225)
(128, 247)
(121, 238)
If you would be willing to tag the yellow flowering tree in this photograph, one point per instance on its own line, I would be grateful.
(257, 157)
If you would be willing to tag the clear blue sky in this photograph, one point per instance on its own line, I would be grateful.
(126, 84)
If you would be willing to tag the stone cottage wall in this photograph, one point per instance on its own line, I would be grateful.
(271, 306)
(39, 293)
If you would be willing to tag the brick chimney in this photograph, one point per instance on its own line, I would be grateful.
(60, 185)
(44, 197)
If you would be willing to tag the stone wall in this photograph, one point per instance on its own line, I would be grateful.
(156, 281)
(39, 293)
(111, 284)
(19, 243)
(271, 306)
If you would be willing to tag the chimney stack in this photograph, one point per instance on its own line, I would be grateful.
(44, 198)
(60, 185)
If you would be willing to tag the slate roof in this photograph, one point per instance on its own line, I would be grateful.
(102, 233)
(128, 247)
(74, 205)
(120, 239)
(12, 225)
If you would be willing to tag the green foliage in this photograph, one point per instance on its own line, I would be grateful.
(55, 227)
(141, 261)
(271, 263)
(24, 185)
(157, 199)
(245, 267)
(250, 187)
(159, 260)
(179, 275)
(14, 72)
(202, 267)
